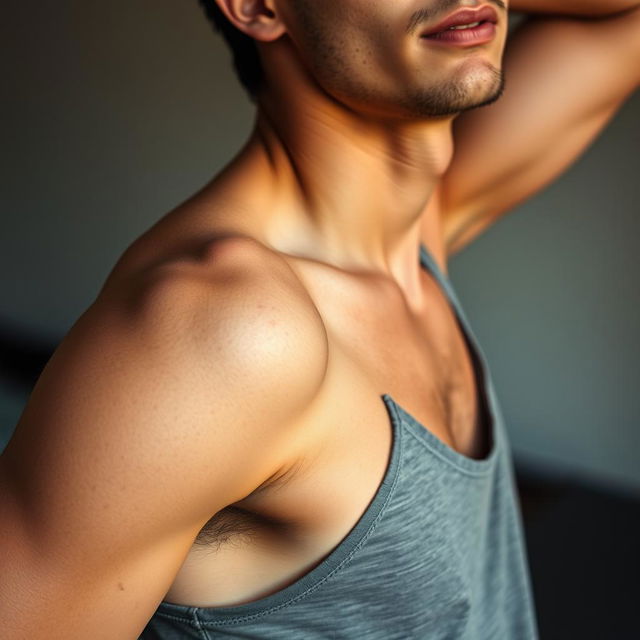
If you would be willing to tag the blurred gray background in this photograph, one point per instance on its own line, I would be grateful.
(116, 112)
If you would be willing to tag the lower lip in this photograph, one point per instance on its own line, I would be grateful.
(481, 34)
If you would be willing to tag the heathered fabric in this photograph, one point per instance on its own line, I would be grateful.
(438, 554)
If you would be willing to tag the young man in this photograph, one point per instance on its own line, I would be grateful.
(274, 421)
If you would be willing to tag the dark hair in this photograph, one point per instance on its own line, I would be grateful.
(246, 59)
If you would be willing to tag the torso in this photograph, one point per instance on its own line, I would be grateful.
(276, 535)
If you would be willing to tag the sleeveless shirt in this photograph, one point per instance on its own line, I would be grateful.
(439, 553)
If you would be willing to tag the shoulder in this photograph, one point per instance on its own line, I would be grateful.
(207, 366)
(238, 308)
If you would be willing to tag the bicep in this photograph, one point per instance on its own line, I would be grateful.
(138, 430)
(564, 80)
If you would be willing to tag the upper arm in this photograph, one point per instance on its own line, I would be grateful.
(564, 80)
(147, 420)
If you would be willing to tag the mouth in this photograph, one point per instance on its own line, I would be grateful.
(465, 26)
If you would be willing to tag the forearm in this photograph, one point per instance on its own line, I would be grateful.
(584, 8)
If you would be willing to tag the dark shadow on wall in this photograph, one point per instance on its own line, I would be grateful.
(582, 541)
(23, 356)
(584, 557)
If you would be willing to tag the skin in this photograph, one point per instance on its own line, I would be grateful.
(353, 54)
(303, 249)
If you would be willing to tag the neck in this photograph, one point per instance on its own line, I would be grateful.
(332, 185)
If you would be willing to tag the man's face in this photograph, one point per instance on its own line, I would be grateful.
(368, 55)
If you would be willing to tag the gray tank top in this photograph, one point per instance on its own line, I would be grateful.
(438, 554)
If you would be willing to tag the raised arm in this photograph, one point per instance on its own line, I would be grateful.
(583, 8)
(566, 75)
(152, 415)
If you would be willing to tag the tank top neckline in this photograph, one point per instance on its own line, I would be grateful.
(481, 378)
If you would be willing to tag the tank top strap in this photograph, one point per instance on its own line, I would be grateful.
(427, 260)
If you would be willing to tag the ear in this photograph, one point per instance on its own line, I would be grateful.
(258, 19)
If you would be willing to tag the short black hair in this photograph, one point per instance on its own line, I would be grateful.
(246, 59)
